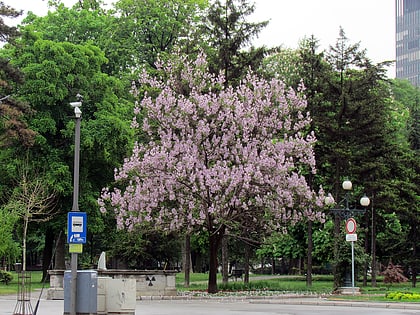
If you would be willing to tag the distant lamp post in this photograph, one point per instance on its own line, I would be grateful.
(344, 212)
(78, 116)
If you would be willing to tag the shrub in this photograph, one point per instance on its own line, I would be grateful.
(5, 276)
(393, 274)
(403, 296)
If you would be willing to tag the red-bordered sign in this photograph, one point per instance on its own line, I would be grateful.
(351, 226)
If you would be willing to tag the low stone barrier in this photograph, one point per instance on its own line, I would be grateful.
(148, 282)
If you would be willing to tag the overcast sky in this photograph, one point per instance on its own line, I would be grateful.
(370, 22)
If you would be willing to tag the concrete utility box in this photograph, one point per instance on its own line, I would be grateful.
(86, 297)
(116, 296)
(121, 296)
(102, 289)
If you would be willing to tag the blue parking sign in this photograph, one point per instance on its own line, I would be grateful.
(76, 227)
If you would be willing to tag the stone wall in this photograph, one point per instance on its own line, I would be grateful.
(148, 282)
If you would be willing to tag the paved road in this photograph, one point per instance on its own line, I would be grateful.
(257, 308)
(292, 306)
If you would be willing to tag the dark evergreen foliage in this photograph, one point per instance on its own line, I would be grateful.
(229, 38)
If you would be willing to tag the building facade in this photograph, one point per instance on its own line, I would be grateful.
(408, 40)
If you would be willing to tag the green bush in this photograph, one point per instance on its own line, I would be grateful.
(5, 276)
(403, 296)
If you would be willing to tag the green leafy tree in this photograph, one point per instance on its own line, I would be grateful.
(85, 23)
(14, 132)
(288, 245)
(131, 34)
(146, 29)
(54, 73)
(31, 200)
(10, 249)
(283, 65)
(404, 187)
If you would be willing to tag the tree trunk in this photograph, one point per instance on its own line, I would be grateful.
(59, 259)
(337, 276)
(415, 258)
(273, 265)
(373, 275)
(310, 248)
(225, 259)
(25, 230)
(414, 267)
(246, 263)
(47, 252)
(366, 264)
(187, 260)
(214, 242)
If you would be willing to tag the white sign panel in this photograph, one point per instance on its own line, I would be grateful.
(351, 237)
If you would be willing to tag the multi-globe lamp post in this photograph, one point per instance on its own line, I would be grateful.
(344, 212)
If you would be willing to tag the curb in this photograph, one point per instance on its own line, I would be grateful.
(287, 299)
(325, 302)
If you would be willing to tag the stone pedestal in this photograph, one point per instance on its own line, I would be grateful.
(56, 289)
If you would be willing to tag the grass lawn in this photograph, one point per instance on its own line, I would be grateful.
(297, 284)
(11, 288)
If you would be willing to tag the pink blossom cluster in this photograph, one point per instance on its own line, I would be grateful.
(216, 155)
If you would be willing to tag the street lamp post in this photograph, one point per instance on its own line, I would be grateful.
(78, 116)
(346, 213)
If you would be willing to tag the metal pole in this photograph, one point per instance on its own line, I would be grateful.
(352, 266)
(73, 293)
(373, 248)
(76, 165)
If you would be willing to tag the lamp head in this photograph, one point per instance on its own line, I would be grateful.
(75, 104)
(347, 185)
(365, 201)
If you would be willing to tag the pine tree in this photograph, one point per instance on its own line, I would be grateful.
(13, 126)
(356, 140)
(228, 35)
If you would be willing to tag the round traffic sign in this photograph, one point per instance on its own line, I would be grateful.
(351, 226)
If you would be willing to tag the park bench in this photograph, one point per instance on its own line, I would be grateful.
(236, 273)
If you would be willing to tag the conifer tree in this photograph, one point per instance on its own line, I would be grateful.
(355, 132)
(13, 127)
(229, 35)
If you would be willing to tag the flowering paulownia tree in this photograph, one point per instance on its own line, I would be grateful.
(216, 158)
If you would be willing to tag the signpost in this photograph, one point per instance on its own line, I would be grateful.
(76, 227)
(351, 236)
